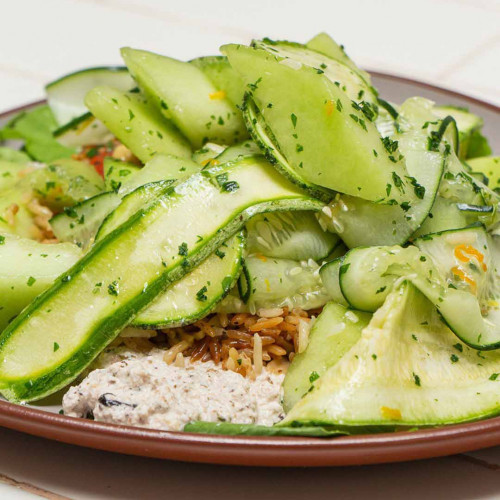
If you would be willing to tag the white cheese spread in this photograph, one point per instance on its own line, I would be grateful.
(144, 391)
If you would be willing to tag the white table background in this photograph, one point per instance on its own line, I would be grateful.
(451, 43)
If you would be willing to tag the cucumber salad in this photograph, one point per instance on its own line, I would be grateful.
(256, 242)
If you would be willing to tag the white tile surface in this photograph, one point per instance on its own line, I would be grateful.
(448, 42)
(454, 43)
(82, 473)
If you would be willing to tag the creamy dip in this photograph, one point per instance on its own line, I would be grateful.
(143, 390)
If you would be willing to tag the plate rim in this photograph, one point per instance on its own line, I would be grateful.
(276, 451)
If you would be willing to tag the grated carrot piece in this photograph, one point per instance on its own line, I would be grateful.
(330, 106)
(261, 257)
(464, 253)
(461, 274)
(390, 413)
(219, 94)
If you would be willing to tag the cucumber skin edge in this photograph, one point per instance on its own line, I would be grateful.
(22, 391)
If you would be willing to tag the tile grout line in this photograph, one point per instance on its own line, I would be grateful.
(31, 488)
(23, 73)
(153, 13)
(463, 59)
(485, 6)
(478, 461)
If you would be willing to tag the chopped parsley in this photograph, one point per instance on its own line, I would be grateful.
(221, 179)
(92, 152)
(416, 378)
(494, 376)
(2, 240)
(201, 294)
(230, 186)
(31, 281)
(314, 376)
(183, 249)
(56, 346)
(294, 120)
(419, 190)
(454, 358)
(433, 141)
(113, 288)
(390, 145)
(71, 212)
(397, 181)
(220, 254)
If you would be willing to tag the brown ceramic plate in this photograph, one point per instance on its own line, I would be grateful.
(277, 451)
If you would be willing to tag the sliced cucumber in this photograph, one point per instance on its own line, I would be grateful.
(13, 155)
(367, 275)
(386, 122)
(459, 186)
(293, 235)
(469, 126)
(241, 150)
(330, 274)
(219, 72)
(338, 152)
(269, 282)
(130, 204)
(360, 222)
(15, 217)
(27, 268)
(336, 69)
(136, 123)
(183, 93)
(326, 45)
(80, 223)
(339, 251)
(444, 214)
(198, 293)
(334, 332)
(181, 303)
(65, 182)
(161, 167)
(66, 94)
(263, 137)
(406, 370)
(82, 131)
(466, 259)
(489, 166)
(208, 152)
(61, 184)
(10, 173)
(116, 172)
(91, 303)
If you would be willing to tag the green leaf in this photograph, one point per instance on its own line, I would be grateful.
(35, 127)
(259, 430)
(478, 145)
